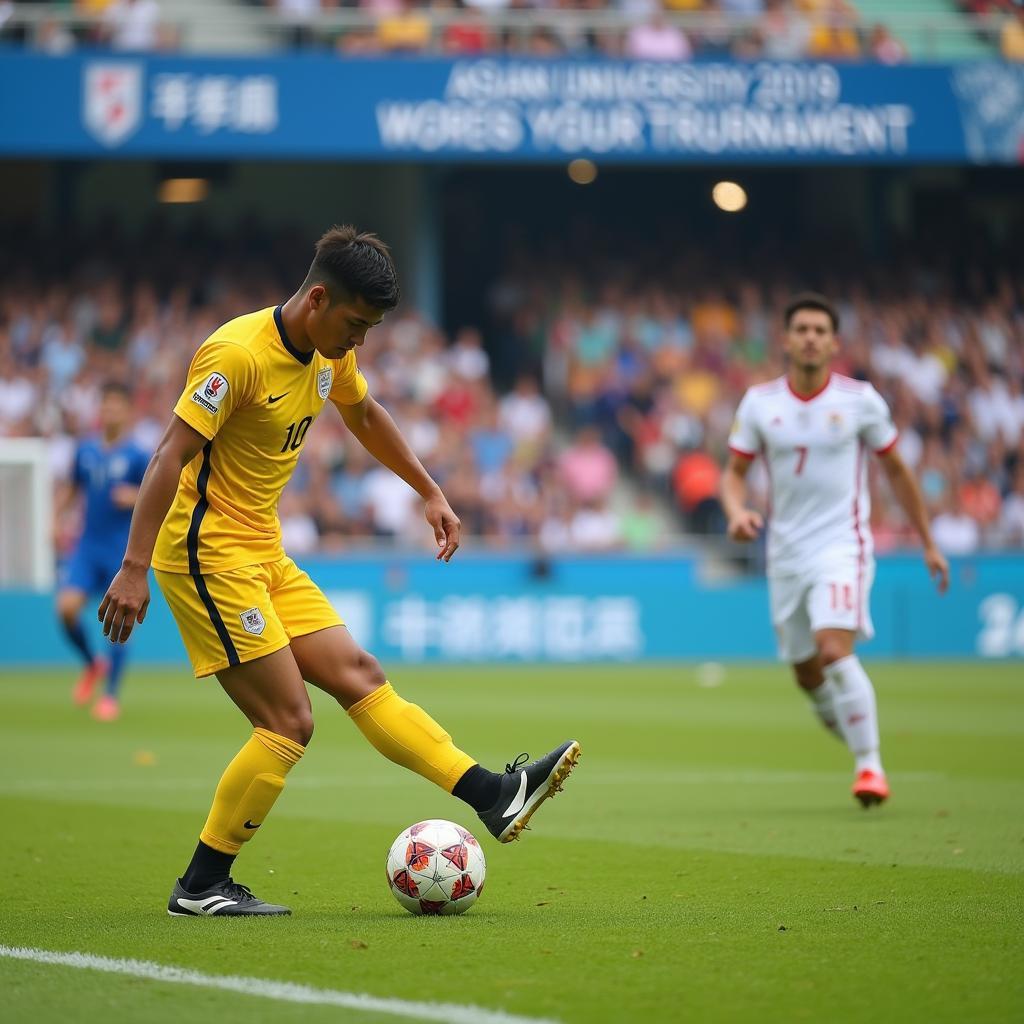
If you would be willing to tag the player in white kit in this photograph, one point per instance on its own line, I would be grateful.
(816, 431)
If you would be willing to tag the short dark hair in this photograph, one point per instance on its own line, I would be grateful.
(810, 300)
(116, 387)
(355, 263)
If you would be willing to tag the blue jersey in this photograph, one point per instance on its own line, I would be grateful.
(98, 470)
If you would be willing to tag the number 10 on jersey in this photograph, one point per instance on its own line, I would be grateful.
(296, 434)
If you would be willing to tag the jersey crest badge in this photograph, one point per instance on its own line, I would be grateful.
(212, 393)
(324, 379)
(835, 422)
(253, 621)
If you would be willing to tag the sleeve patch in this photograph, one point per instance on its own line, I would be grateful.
(210, 394)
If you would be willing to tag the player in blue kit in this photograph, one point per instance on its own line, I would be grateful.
(107, 472)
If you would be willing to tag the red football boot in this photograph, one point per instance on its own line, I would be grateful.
(87, 682)
(870, 788)
(106, 709)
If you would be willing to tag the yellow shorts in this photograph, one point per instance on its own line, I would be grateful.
(227, 618)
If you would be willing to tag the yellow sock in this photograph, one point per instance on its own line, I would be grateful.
(248, 788)
(406, 734)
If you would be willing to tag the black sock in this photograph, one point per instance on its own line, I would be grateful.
(77, 637)
(208, 867)
(479, 788)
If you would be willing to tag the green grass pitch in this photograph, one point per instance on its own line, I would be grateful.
(705, 862)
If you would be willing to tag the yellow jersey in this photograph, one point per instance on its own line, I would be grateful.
(254, 396)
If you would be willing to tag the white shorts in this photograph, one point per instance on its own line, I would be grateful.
(827, 597)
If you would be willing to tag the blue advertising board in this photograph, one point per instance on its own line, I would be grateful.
(613, 609)
(324, 107)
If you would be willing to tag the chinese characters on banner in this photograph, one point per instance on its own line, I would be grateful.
(476, 628)
(496, 628)
(210, 103)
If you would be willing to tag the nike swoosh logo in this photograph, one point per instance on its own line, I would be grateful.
(249, 824)
(271, 399)
(520, 798)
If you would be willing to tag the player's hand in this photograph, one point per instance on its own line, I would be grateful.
(938, 567)
(446, 527)
(745, 525)
(125, 603)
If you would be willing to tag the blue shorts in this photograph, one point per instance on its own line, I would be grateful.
(90, 569)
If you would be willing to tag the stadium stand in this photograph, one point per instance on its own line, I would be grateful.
(613, 386)
(837, 30)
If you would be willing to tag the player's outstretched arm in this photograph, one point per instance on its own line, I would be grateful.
(127, 597)
(744, 523)
(908, 494)
(373, 427)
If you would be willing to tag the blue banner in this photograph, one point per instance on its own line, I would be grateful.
(324, 107)
(615, 609)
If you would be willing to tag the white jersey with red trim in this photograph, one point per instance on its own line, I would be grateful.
(815, 451)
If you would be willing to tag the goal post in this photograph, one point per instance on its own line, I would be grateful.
(26, 514)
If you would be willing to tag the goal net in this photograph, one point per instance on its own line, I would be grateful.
(26, 514)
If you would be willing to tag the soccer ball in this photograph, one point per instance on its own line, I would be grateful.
(436, 867)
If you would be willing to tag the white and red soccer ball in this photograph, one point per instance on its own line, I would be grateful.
(436, 867)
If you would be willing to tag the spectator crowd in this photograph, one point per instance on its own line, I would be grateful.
(638, 29)
(127, 25)
(1001, 18)
(649, 348)
(680, 30)
(623, 373)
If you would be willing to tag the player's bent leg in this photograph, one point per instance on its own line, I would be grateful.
(271, 694)
(405, 734)
(856, 712)
(810, 677)
(834, 644)
(70, 601)
(332, 661)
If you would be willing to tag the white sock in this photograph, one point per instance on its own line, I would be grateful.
(823, 701)
(855, 711)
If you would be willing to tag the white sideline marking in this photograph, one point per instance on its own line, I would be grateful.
(284, 991)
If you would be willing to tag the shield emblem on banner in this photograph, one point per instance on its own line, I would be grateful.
(112, 101)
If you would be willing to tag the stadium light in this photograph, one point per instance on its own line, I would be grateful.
(729, 196)
(582, 171)
(183, 190)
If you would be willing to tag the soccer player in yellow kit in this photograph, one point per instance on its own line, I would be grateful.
(206, 520)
